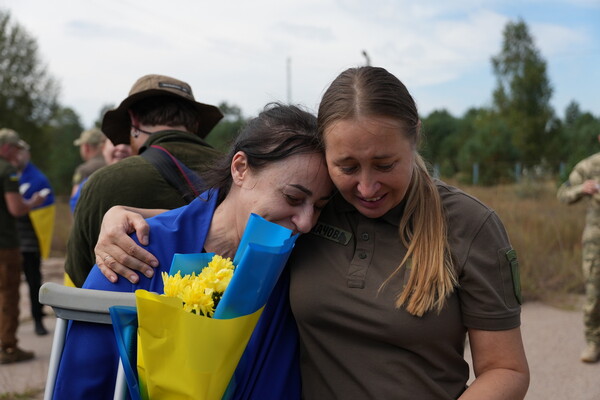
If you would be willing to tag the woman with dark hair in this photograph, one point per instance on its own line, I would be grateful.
(275, 169)
(400, 267)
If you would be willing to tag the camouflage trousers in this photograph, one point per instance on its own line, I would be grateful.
(591, 275)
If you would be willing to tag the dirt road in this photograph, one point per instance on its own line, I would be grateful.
(553, 340)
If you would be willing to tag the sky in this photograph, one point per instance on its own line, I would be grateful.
(249, 53)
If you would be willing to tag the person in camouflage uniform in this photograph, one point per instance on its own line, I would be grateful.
(584, 182)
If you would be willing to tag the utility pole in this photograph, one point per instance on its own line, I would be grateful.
(368, 60)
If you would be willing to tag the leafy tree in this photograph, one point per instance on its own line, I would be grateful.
(29, 105)
(441, 141)
(523, 92)
(579, 135)
(485, 141)
(555, 148)
(64, 127)
(227, 130)
(27, 94)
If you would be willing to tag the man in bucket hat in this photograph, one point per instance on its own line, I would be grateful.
(12, 205)
(160, 112)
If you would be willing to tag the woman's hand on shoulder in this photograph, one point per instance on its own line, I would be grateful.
(116, 252)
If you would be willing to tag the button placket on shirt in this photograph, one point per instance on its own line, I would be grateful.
(363, 254)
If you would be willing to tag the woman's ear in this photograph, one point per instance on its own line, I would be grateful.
(239, 168)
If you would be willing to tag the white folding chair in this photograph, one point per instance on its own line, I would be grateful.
(77, 304)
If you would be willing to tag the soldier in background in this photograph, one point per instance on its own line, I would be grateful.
(12, 205)
(91, 144)
(584, 183)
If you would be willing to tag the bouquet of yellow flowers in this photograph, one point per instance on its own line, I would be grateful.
(201, 293)
(190, 340)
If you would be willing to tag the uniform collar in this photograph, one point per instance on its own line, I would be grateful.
(171, 135)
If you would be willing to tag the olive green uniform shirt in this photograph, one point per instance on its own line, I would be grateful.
(9, 183)
(355, 344)
(133, 182)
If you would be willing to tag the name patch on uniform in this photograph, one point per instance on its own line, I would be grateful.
(511, 256)
(332, 233)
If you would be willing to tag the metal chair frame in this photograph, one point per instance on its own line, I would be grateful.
(70, 303)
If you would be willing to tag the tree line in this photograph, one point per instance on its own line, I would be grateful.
(520, 128)
(520, 132)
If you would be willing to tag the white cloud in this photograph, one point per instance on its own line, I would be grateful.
(554, 39)
(238, 51)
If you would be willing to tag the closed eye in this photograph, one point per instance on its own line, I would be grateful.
(386, 167)
(348, 170)
(292, 200)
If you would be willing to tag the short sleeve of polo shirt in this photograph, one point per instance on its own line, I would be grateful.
(489, 288)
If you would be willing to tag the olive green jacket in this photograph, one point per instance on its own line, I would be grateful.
(131, 182)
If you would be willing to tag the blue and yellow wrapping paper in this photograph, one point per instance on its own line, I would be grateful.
(125, 322)
(186, 356)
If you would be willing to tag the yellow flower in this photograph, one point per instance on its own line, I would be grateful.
(201, 293)
(198, 299)
(174, 284)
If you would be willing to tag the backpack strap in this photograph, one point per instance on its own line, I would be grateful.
(176, 173)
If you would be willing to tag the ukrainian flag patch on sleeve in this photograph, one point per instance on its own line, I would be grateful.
(511, 256)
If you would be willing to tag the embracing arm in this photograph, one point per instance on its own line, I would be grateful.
(18, 206)
(116, 253)
(500, 365)
(579, 185)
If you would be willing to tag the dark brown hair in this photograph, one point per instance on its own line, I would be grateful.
(278, 132)
(167, 110)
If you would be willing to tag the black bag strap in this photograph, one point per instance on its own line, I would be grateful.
(176, 173)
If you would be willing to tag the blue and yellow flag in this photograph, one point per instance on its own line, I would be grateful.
(42, 218)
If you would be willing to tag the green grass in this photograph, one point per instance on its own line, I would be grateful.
(546, 235)
(29, 394)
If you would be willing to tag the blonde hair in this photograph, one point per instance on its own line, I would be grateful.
(423, 230)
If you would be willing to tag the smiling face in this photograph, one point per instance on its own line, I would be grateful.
(370, 161)
(113, 154)
(291, 192)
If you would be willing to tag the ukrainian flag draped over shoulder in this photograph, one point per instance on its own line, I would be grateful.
(42, 218)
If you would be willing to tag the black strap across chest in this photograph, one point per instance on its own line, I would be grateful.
(176, 173)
